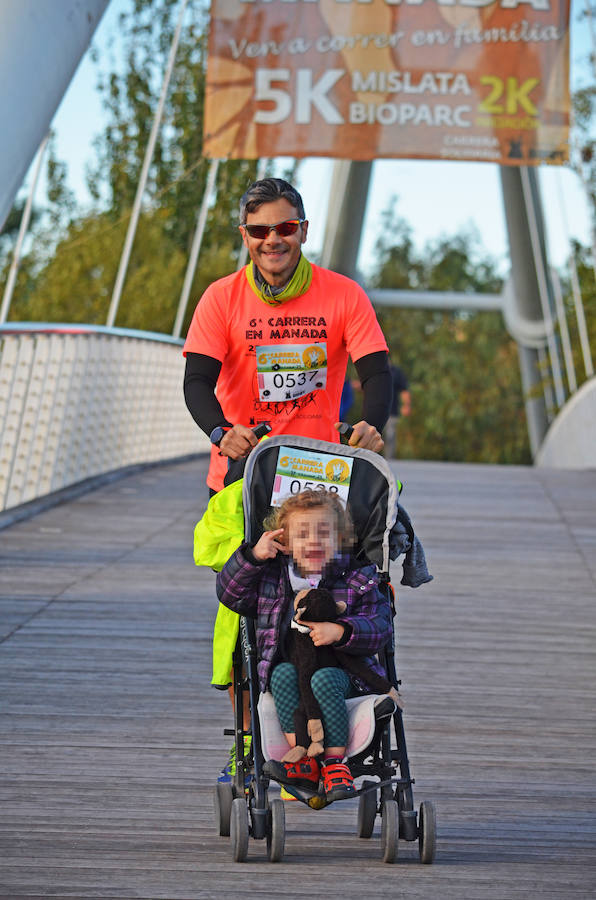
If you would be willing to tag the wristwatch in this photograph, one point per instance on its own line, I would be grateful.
(217, 434)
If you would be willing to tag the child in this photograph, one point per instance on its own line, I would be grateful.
(308, 544)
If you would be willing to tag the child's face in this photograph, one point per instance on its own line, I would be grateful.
(312, 538)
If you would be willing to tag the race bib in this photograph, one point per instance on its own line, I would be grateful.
(299, 470)
(288, 371)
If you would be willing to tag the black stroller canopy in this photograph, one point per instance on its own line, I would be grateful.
(372, 497)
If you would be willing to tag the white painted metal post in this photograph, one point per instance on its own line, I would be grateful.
(575, 288)
(16, 257)
(541, 276)
(581, 318)
(260, 174)
(196, 247)
(545, 367)
(565, 342)
(136, 209)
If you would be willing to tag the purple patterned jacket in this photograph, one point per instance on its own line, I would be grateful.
(262, 591)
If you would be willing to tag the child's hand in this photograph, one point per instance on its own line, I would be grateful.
(324, 633)
(269, 545)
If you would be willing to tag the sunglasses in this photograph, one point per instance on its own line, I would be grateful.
(282, 229)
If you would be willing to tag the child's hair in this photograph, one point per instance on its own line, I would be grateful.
(307, 500)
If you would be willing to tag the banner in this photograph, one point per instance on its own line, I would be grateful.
(370, 79)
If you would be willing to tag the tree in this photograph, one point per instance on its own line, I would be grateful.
(178, 173)
(584, 106)
(76, 284)
(583, 125)
(10, 229)
(467, 401)
(584, 264)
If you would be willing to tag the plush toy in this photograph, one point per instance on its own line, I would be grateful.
(318, 605)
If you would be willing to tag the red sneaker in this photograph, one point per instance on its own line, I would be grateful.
(338, 782)
(301, 774)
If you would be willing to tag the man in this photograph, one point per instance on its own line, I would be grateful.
(400, 405)
(274, 337)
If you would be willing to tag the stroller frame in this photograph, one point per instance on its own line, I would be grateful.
(243, 808)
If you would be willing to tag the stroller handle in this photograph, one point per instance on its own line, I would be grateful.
(346, 430)
(261, 430)
(236, 466)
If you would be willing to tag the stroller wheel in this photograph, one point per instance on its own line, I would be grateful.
(390, 830)
(223, 799)
(367, 810)
(276, 831)
(427, 832)
(239, 830)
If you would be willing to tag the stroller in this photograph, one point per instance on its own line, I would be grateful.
(276, 467)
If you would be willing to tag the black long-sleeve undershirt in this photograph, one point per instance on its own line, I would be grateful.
(377, 388)
(202, 372)
(200, 378)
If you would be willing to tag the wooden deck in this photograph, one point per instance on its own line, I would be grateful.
(111, 737)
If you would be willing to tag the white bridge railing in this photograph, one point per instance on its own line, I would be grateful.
(77, 401)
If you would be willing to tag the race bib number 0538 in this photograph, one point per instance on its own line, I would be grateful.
(299, 470)
(288, 371)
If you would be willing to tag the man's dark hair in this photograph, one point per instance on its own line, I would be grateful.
(267, 191)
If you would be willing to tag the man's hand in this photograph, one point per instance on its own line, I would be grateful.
(269, 545)
(323, 633)
(364, 436)
(238, 442)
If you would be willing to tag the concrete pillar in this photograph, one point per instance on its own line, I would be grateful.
(526, 292)
(345, 216)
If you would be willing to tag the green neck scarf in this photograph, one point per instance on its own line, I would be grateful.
(298, 284)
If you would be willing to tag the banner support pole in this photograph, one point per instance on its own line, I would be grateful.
(526, 294)
(345, 216)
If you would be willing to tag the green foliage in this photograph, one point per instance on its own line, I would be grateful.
(26, 280)
(10, 229)
(464, 381)
(76, 285)
(584, 108)
(178, 173)
(583, 120)
(587, 283)
(61, 199)
(463, 367)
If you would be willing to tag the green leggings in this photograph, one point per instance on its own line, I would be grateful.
(330, 687)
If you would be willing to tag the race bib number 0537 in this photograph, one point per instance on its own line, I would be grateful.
(288, 371)
(299, 470)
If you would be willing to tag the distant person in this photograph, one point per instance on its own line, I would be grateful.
(400, 406)
(346, 400)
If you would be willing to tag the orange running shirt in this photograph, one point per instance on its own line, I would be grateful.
(283, 365)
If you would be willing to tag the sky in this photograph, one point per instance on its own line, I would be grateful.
(436, 198)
